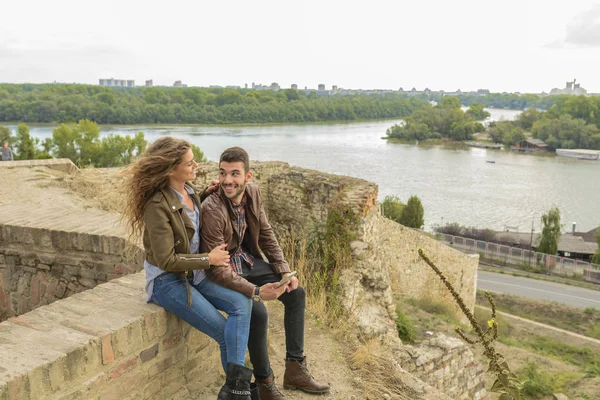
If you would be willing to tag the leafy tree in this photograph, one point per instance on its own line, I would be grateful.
(392, 208)
(119, 150)
(78, 142)
(551, 231)
(198, 154)
(5, 135)
(528, 117)
(25, 144)
(596, 257)
(82, 144)
(413, 214)
(506, 132)
(477, 112)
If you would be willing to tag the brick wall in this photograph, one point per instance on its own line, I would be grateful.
(447, 364)
(40, 266)
(106, 343)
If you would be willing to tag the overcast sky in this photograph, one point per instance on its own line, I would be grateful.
(525, 45)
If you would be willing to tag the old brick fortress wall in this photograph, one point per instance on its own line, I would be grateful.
(40, 266)
(107, 343)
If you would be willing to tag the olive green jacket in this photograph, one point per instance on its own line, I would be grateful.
(167, 233)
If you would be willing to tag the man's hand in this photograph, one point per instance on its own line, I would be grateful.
(293, 283)
(271, 291)
(214, 185)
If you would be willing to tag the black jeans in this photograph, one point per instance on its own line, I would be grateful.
(294, 303)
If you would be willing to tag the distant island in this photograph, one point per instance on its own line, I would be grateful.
(572, 122)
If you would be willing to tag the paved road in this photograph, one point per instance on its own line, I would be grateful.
(540, 290)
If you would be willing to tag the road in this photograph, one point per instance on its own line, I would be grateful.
(539, 290)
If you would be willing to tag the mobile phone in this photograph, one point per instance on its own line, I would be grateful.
(286, 278)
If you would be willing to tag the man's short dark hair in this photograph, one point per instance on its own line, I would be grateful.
(236, 154)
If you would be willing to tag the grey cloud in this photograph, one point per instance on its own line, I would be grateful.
(582, 31)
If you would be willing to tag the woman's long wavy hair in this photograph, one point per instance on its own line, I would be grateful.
(145, 177)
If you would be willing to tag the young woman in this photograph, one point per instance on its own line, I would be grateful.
(163, 209)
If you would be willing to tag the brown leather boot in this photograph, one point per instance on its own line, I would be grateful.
(267, 390)
(296, 377)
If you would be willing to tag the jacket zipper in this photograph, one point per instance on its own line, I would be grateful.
(187, 244)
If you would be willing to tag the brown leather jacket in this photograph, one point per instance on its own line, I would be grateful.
(167, 233)
(217, 228)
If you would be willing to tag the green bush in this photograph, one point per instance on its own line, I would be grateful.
(406, 327)
(392, 208)
(538, 384)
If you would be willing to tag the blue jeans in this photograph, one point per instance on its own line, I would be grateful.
(207, 297)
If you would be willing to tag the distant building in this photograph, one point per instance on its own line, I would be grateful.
(334, 89)
(321, 87)
(245, 86)
(572, 88)
(274, 87)
(178, 84)
(149, 83)
(112, 82)
(294, 86)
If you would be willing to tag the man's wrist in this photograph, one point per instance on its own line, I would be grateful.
(256, 294)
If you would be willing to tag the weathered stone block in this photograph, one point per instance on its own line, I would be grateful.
(149, 353)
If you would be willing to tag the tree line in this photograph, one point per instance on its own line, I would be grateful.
(573, 124)
(47, 103)
(81, 143)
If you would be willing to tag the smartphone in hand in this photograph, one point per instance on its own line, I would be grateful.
(286, 278)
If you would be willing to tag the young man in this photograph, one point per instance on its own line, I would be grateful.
(234, 215)
(6, 151)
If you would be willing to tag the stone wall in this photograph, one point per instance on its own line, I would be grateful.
(39, 266)
(386, 265)
(447, 364)
(106, 343)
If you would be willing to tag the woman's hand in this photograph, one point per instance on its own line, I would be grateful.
(214, 185)
(219, 256)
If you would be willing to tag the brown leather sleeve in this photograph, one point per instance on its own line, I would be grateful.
(160, 233)
(213, 226)
(268, 242)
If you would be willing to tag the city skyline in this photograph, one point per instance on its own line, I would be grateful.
(527, 47)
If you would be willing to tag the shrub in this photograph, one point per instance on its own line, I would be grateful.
(538, 383)
(406, 328)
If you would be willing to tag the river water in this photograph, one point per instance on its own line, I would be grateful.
(454, 184)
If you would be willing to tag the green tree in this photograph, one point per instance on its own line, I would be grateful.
(198, 154)
(477, 112)
(24, 144)
(413, 214)
(528, 117)
(551, 231)
(392, 208)
(78, 142)
(596, 257)
(5, 135)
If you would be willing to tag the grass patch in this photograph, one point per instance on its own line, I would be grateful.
(539, 383)
(406, 327)
(443, 310)
(585, 358)
(585, 322)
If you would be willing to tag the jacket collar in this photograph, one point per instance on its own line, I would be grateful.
(227, 202)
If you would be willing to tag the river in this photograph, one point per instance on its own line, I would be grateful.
(454, 184)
